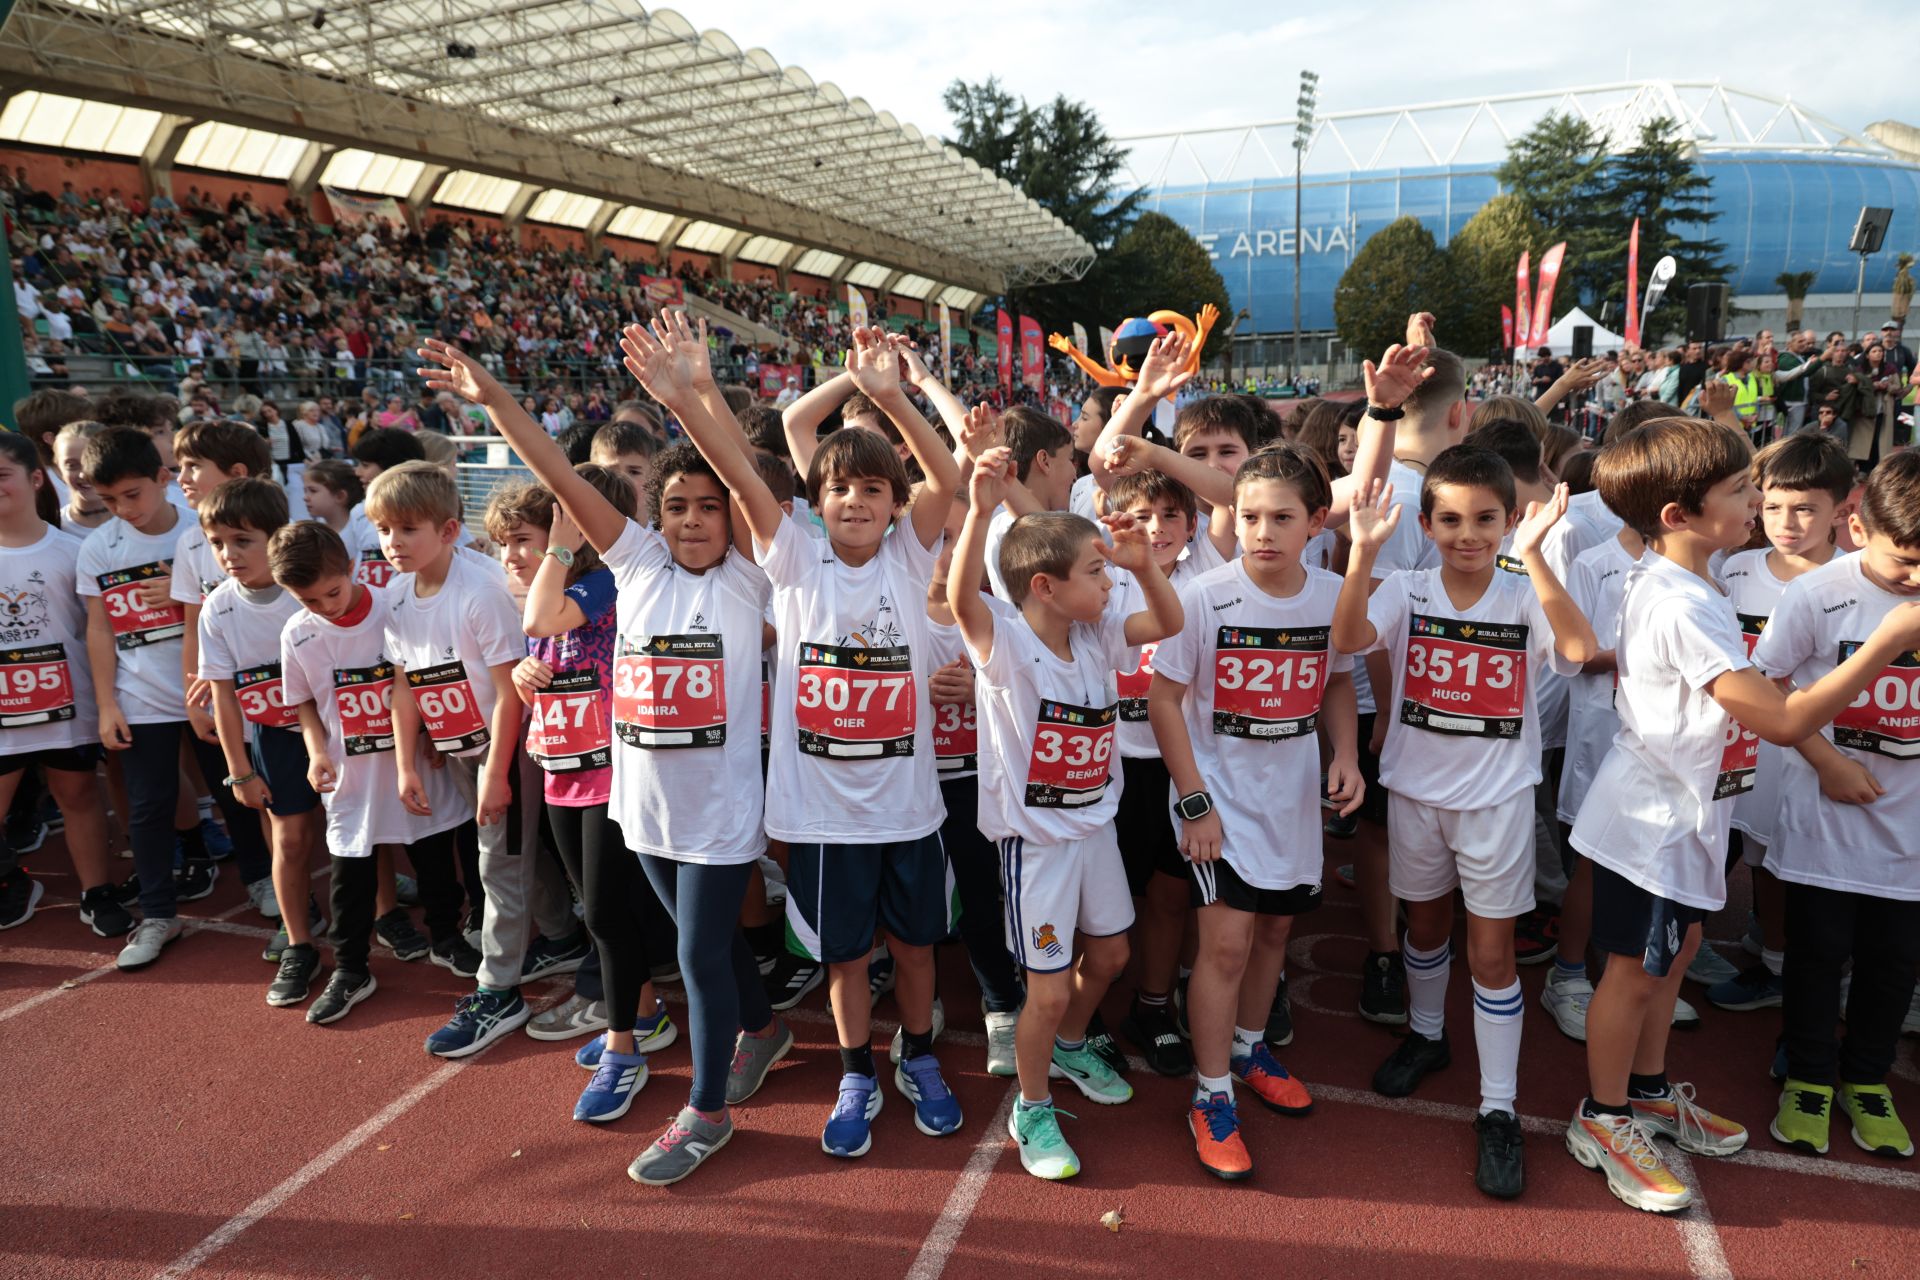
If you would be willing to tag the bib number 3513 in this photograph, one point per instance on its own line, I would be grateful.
(855, 704)
(1072, 757)
(1465, 678)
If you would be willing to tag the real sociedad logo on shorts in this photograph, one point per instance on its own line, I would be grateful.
(1046, 943)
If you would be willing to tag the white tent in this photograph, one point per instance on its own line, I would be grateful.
(1560, 337)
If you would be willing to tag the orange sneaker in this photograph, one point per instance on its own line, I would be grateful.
(1215, 1126)
(1621, 1148)
(1691, 1126)
(1261, 1072)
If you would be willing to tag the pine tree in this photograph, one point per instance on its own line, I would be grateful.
(1657, 182)
(1482, 258)
(1558, 171)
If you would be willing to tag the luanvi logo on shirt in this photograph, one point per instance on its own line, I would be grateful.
(1835, 608)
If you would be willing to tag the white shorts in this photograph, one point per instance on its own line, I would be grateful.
(1053, 891)
(1487, 852)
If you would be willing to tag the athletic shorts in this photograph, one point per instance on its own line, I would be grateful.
(1054, 891)
(840, 895)
(1487, 853)
(1630, 921)
(1217, 881)
(280, 757)
(81, 759)
(1144, 824)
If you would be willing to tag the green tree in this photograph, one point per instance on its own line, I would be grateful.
(1157, 265)
(1482, 259)
(1656, 181)
(1558, 171)
(1400, 270)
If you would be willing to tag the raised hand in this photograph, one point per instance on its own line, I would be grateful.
(1374, 518)
(1420, 329)
(674, 331)
(1400, 371)
(1716, 397)
(1127, 455)
(665, 372)
(1163, 371)
(912, 366)
(987, 487)
(980, 431)
(874, 363)
(1130, 549)
(451, 369)
(1540, 517)
(1584, 374)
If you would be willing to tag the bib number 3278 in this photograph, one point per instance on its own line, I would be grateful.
(1072, 756)
(670, 692)
(1466, 678)
(447, 707)
(855, 704)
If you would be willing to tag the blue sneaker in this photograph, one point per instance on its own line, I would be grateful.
(615, 1084)
(479, 1020)
(1756, 987)
(650, 1035)
(1779, 1068)
(849, 1129)
(214, 836)
(936, 1111)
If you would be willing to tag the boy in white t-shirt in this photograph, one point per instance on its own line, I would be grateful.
(1466, 642)
(208, 454)
(1048, 705)
(1843, 844)
(1655, 822)
(378, 450)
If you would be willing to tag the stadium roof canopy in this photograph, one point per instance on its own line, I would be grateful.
(601, 99)
(1712, 116)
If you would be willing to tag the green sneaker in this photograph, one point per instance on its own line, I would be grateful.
(276, 946)
(1876, 1125)
(1043, 1152)
(1090, 1075)
(1805, 1112)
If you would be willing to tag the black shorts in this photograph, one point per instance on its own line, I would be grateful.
(280, 757)
(1630, 921)
(1143, 824)
(1217, 881)
(839, 895)
(1373, 805)
(81, 759)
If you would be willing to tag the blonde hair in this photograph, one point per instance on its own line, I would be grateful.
(417, 489)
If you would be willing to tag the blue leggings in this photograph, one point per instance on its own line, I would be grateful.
(724, 993)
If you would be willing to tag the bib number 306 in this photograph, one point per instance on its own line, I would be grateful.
(364, 698)
(1072, 758)
(1885, 717)
(263, 699)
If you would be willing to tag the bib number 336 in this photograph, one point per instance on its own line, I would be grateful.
(1072, 757)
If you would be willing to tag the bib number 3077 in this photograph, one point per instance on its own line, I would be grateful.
(447, 707)
(1465, 678)
(1072, 756)
(855, 704)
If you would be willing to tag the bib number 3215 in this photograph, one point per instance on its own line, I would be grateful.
(1268, 683)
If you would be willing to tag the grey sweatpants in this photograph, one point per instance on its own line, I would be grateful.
(507, 876)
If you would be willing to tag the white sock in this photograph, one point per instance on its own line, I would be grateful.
(1773, 960)
(1496, 1033)
(1427, 973)
(1207, 1086)
(1244, 1040)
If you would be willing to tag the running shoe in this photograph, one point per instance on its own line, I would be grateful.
(1501, 1170)
(396, 932)
(344, 990)
(1412, 1060)
(1805, 1117)
(1536, 936)
(18, 897)
(1001, 1059)
(1876, 1125)
(1150, 1029)
(292, 984)
(406, 890)
(1279, 1033)
(1691, 1126)
(650, 1035)
(214, 836)
(194, 881)
(898, 1047)
(277, 944)
(1271, 1082)
(1342, 827)
(879, 971)
(792, 978)
(753, 1057)
(25, 832)
(1685, 1016)
(1344, 872)
(478, 1020)
(149, 937)
(849, 1129)
(1383, 989)
(1755, 987)
(260, 893)
(1090, 1074)
(574, 1016)
(1709, 968)
(1566, 999)
(550, 957)
(1044, 1153)
(1215, 1125)
(457, 954)
(127, 892)
(102, 911)
(1622, 1149)
(1101, 1041)
(936, 1112)
(684, 1147)
(616, 1082)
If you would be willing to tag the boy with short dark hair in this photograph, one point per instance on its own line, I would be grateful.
(376, 451)
(627, 449)
(207, 454)
(1042, 459)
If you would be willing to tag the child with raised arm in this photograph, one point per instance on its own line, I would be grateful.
(1049, 702)
(685, 721)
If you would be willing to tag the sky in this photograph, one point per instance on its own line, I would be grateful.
(1160, 67)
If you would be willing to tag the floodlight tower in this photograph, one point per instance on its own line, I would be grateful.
(1302, 139)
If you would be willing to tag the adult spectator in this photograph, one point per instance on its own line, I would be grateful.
(1692, 372)
(1790, 378)
(1833, 382)
(1899, 357)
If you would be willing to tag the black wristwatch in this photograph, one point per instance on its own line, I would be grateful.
(1381, 414)
(1195, 805)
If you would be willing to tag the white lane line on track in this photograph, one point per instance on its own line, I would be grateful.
(965, 1196)
(1698, 1236)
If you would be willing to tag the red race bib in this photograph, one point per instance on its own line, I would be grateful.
(1751, 625)
(1072, 755)
(448, 708)
(1134, 685)
(1885, 717)
(263, 699)
(853, 703)
(671, 692)
(364, 698)
(1467, 678)
(133, 623)
(373, 570)
(568, 731)
(1738, 759)
(1268, 683)
(956, 738)
(36, 686)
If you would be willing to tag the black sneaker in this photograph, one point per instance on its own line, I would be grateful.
(195, 881)
(100, 910)
(792, 978)
(1536, 936)
(344, 990)
(1150, 1028)
(18, 895)
(1383, 988)
(298, 964)
(457, 954)
(1501, 1173)
(1280, 1018)
(550, 957)
(25, 833)
(1179, 1003)
(879, 973)
(1342, 827)
(127, 891)
(396, 933)
(1103, 1046)
(1412, 1059)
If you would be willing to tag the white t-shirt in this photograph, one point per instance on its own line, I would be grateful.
(240, 641)
(344, 672)
(196, 571)
(1136, 735)
(851, 758)
(1658, 810)
(1549, 687)
(1465, 732)
(1755, 591)
(956, 725)
(1587, 524)
(46, 683)
(446, 644)
(1083, 499)
(686, 747)
(997, 527)
(1256, 668)
(1857, 848)
(114, 560)
(1047, 727)
(1599, 580)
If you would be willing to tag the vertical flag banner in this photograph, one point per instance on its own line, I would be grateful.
(1543, 298)
(1080, 339)
(1003, 330)
(946, 341)
(1033, 354)
(856, 308)
(1633, 286)
(1106, 341)
(1522, 305)
(1506, 326)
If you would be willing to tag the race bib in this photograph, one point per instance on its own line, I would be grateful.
(1751, 625)
(956, 738)
(133, 623)
(853, 703)
(1466, 678)
(1885, 717)
(373, 569)
(1510, 564)
(568, 731)
(36, 686)
(1134, 685)
(364, 698)
(1268, 683)
(262, 698)
(1738, 759)
(1072, 755)
(448, 708)
(670, 691)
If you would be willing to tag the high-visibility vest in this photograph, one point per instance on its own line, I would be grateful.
(1746, 394)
